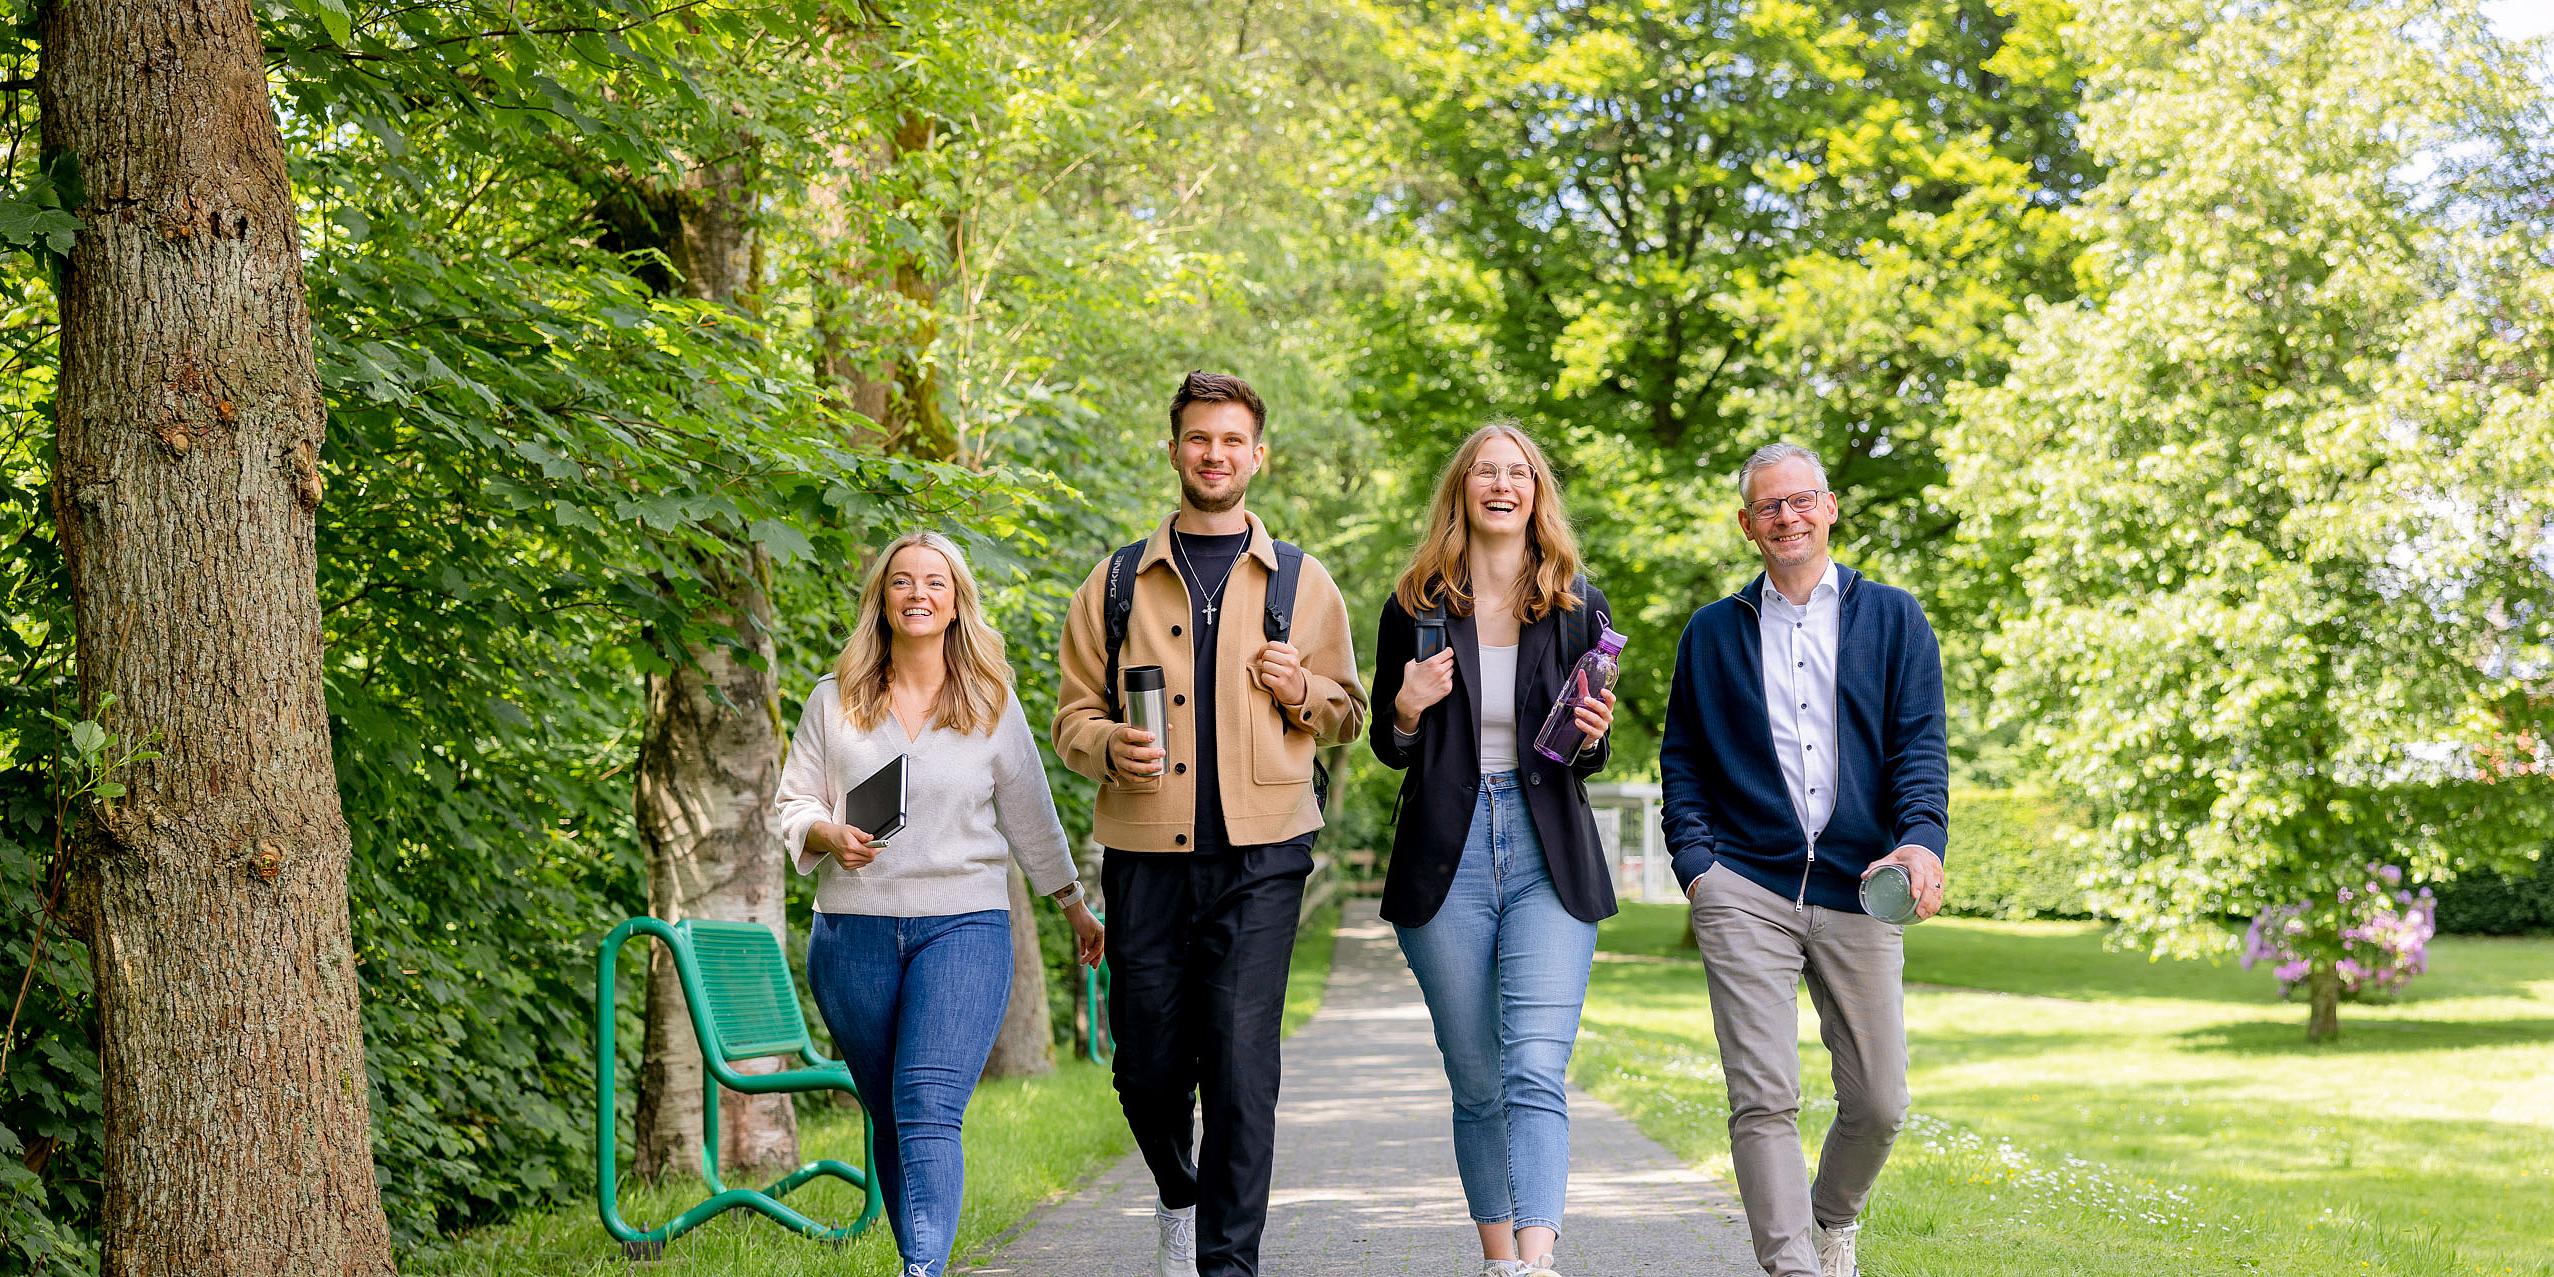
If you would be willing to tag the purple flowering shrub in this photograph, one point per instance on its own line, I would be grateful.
(2385, 937)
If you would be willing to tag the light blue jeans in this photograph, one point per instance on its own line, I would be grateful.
(914, 1005)
(1504, 970)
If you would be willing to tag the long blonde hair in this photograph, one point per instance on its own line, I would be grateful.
(979, 683)
(1440, 568)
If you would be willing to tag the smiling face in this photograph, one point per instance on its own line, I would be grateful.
(1216, 451)
(921, 598)
(1789, 538)
(1498, 492)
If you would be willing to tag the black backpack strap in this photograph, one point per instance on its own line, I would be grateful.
(1278, 623)
(1280, 619)
(1578, 626)
(1117, 609)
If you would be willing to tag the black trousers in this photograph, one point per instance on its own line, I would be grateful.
(1198, 947)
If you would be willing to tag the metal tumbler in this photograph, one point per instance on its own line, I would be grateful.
(1889, 895)
(1148, 706)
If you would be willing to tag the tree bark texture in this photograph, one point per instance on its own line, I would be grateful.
(709, 764)
(1026, 1044)
(238, 1133)
(2323, 1000)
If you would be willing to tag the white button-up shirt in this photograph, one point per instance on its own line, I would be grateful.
(1800, 694)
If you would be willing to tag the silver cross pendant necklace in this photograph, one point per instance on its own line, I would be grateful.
(1218, 591)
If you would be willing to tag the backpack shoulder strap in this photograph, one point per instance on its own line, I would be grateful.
(1280, 619)
(1277, 623)
(1578, 626)
(1117, 609)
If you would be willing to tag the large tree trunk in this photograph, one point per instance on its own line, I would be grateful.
(1026, 1044)
(238, 1132)
(709, 764)
(2323, 1001)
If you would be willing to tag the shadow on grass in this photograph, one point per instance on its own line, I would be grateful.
(2364, 1035)
(2070, 961)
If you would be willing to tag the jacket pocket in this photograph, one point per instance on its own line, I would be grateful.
(1280, 755)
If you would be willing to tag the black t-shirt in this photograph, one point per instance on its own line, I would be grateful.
(1206, 563)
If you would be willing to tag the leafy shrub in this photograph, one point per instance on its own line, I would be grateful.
(2500, 905)
(2011, 857)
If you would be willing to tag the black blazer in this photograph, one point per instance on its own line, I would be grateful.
(1444, 768)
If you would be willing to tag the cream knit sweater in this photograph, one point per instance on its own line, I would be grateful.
(970, 800)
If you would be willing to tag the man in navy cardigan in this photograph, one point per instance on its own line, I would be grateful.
(1803, 750)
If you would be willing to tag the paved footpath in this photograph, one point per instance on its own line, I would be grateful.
(1365, 1165)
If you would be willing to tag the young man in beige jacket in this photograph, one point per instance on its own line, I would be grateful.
(1208, 834)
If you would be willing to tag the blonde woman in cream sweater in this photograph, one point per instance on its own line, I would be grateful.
(910, 954)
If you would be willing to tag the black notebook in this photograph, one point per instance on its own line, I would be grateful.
(876, 806)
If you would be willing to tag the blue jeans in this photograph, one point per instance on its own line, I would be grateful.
(1504, 969)
(914, 1005)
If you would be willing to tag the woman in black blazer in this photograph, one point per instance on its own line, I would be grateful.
(1497, 880)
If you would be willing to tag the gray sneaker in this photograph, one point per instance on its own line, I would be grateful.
(1835, 1252)
(1175, 1251)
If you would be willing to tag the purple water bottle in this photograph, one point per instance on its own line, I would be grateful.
(1561, 740)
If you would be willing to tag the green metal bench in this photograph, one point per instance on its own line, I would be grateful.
(1100, 1044)
(744, 1006)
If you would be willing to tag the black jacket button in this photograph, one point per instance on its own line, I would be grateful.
(1534, 778)
(1174, 631)
(1179, 840)
(1182, 700)
(1181, 769)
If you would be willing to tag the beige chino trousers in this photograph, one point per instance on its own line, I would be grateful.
(1757, 948)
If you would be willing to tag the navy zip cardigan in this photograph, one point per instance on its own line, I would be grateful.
(1725, 800)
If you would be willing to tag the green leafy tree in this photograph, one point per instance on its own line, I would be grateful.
(1666, 233)
(2269, 518)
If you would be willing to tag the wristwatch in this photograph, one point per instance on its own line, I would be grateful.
(1070, 896)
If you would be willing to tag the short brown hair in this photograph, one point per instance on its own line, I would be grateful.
(1218, 387)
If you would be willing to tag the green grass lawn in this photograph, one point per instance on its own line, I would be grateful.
(1029, 1141)
(2082, 1111)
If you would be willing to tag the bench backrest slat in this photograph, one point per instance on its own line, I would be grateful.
(751, 1000)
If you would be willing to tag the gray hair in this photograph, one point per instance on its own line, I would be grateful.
(1774, 454)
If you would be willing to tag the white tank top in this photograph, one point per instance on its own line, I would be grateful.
(1498, 709)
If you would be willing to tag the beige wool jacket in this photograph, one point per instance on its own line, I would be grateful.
(1264, 751)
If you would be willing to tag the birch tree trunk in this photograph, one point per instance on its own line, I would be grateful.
(709, 764)
(238, 1132)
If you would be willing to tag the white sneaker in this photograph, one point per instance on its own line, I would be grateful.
(1175, 1251)
(1501, 1267)
(1835, 1251)
(1537, 1268)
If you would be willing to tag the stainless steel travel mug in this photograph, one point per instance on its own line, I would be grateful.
(1148, 706)
(1889, 895)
